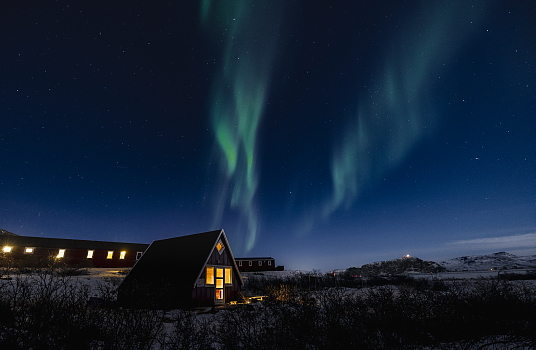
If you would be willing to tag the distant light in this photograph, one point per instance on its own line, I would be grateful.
(407, 256)
(7, 249)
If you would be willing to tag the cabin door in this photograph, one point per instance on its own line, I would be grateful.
(220, 299)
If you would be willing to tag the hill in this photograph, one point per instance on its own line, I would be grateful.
(500, 260)
(406, 264)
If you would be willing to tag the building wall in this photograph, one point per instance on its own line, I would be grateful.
(252, 265)
(204, 295)
(73, 255)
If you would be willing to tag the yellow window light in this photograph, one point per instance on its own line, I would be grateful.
(122, 255)
(209, 275)
(61, 253)
(228, 276)
(219, 294)
(110, 254)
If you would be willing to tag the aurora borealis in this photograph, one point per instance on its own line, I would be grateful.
(326, 135)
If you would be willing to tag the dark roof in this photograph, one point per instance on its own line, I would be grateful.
(64, 243)
(182, 258)
(6, 233)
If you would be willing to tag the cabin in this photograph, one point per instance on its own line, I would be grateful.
(187, 271)
(25, 250)
(257, 264)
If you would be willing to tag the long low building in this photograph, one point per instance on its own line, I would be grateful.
(257, 264)
(71, 251)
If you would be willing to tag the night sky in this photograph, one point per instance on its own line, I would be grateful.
(325, 134)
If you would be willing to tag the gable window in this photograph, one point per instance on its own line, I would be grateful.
(110, 254)
(138, 255)
(220, 247)
(61, 253)
(29, 250)
(90, 254)
(228, 276)
(209, 275)
(122, 255)
(7, 249)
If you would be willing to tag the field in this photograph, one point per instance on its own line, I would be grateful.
(58, 309)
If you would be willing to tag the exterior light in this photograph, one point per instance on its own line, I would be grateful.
(7, 249)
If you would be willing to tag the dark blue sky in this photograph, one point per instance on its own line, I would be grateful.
(326, 135)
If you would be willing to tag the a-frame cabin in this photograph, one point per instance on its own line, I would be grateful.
(193, 270)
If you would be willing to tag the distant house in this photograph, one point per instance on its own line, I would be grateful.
(74, 252)
(191, 270)
(257, 264)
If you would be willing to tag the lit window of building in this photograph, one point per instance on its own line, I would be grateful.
(228, 276)
(110, 254)
(61, 253)
(29, 250)
(219, 278)
(219, 294)
(220, 247)
(90, 254)
(7, 249)
(209, 275)
(122, 255)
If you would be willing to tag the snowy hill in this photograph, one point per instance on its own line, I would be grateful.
(501, 260)
(406, 264)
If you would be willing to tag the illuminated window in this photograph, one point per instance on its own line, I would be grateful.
(219, 273)
(29, 250)
(260, 263)
(219, 282)
(61, 253)
(110, 254)
(219, 294)
(209, 275)
(122, 255)
(228, 276)
(90, 254)
(7, 249)
(220, 247)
